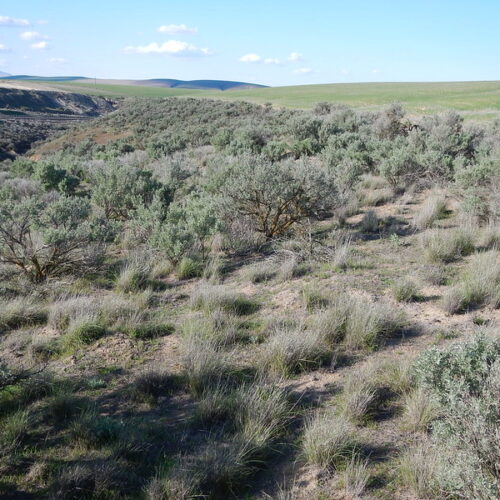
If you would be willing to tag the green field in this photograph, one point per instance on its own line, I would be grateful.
(474, 99)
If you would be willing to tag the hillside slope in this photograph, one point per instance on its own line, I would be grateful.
(153, 82)
(54, 102)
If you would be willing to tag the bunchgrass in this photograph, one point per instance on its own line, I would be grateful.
(328, 440)
(21, 311)
(212, 297)
(478, 285)
(291, 350)
(433, 208)
(405, 290)
(447, 245)
(420, 410)
(189, 267)
(206, 363)
(150, 330)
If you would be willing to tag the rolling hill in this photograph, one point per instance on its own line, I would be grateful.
(474, 100)
(155, 82)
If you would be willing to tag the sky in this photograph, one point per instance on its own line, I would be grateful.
(272, 42)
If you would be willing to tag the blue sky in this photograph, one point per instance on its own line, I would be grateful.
(274, 42)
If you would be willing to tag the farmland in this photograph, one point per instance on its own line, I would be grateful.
(479, 100)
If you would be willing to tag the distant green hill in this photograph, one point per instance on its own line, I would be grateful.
(476, 100)
(155, 82)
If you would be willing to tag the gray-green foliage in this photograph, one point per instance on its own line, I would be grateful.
(465, 381)
(44, 235)
(119, 189)
(187, 225)
(275, 196)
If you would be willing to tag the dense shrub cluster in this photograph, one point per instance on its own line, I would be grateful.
(464, 380)
(229, 166)
(101, 244)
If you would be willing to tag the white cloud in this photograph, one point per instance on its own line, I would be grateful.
(345, 71)
(375, 71)
(4, 48)
(42, 21)
(272, 60)
(39, 45)
(13, 22)
(171, 47)
(57, 60)
(250, 58)
(295, 57)
(33, 35)
(302, 71)
(177, 29)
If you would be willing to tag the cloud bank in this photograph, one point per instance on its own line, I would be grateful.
(177, 29)
(171, 47)
(12, 22)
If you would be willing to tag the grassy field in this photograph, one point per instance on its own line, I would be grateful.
(479, 99)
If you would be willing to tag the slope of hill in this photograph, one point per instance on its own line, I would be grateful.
(53, 102)
(155, 82)
(475, 100)
(231, 301)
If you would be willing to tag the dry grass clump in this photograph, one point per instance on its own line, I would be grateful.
(357, 323)
(189, 267)
(435, 274)
(490, 237)
(478, 285)
(150, 330)
(447, 245)
(329, 439)
(331, 322)
(291, 350)
(360, 395)
(342, 252)
(351, 207)
(396, 375)
(314, 298)
(94, 431)
(153, 384)
(110, 311)
(98, 479)
(405, 290)
(206, 363)
(215, 405)
(369, 323)
(290, 266)
(219, 327)
(43, 348)
(417, 468)
(373, 182)
(14, 430)
(70, 308)
(369, 223)
(218, 468)
(262, 413)
(261, 271)
(213, 270)
(433, 208)
(375, 191)
(212, 297)
(259, 414)
(80, 334)
(21, 311)
(376, 197)
(356, 476)
(134, 275)
(420, 410)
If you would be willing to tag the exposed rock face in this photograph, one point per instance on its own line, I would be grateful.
(41, 101)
